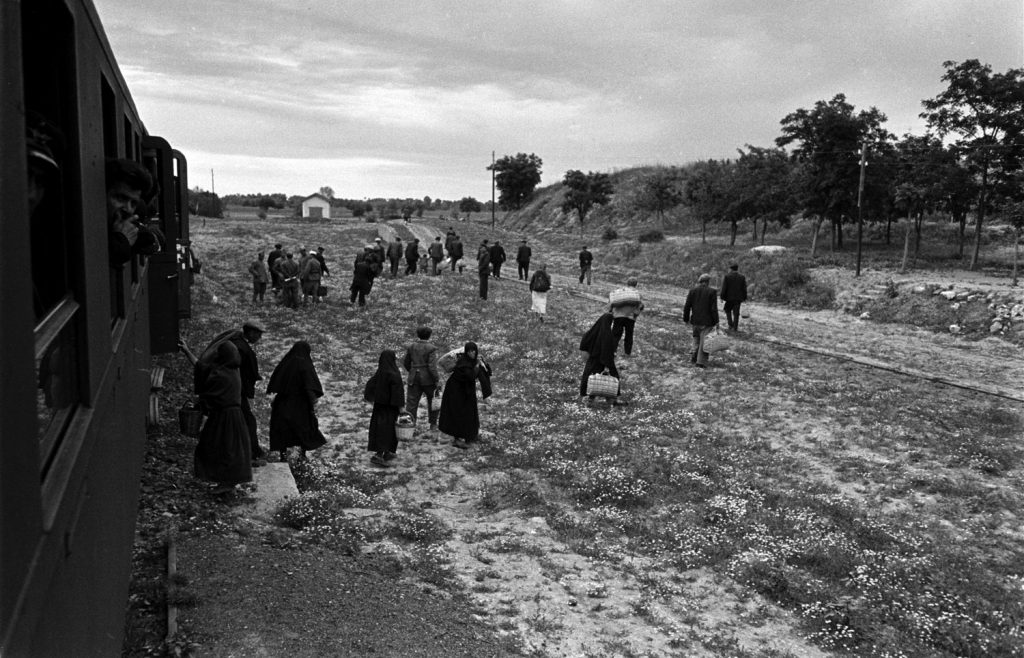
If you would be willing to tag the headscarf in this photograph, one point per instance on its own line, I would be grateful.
(387, 375)
(464, 359)
(227, 356)
(295, 372)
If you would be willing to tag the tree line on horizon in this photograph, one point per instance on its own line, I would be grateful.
(831, 164)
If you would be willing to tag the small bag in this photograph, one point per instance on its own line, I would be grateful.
(603, 385)
(405, 427)
(716, 342)
(190, 419)
(321, 291)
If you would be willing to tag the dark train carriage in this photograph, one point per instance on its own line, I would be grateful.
(77, 332)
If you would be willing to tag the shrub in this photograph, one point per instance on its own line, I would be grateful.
(609, 234)
(262, 214)
(651, 236)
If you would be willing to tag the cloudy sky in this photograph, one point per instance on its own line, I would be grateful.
(407, 98)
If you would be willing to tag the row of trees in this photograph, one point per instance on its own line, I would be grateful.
(842, 164)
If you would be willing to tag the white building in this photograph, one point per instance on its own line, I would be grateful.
(317, 206)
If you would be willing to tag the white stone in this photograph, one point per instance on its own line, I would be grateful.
(995, 328)
(962, 295)
(954, 328)
(955, 305)
(769, 249)
(948, 294)
(919, 290)
(865, 316)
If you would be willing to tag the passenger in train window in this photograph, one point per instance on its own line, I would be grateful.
(44, 148)
(129, 184)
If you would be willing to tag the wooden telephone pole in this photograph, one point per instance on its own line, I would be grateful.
(492, 189)
(860, 198)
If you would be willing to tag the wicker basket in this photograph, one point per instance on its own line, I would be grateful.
(190, 419)
(603, 385)
(624, 297)
(405, 427)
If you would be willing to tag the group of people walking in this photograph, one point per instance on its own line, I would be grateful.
(225, 375)
(393, 395)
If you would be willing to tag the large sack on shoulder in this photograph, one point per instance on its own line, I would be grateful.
(624, 297)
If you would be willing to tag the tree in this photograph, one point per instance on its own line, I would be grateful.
(705, 192)
(327, 191)
(516, 178)
(985, 111)
(660, 191)
(205, 204)
(469, 205)
(584, 191)
(759, 189)
(427, 201)
(922, 163)
(829, 139)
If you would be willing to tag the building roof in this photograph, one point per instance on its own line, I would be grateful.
(316, 195)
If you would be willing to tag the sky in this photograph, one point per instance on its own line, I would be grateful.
(409, 98)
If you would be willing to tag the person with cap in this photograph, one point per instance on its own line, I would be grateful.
(498, 257)
(412, 256)
(310, 276)
(362, 277)
(321, 291)
(586, 264)
(395, 250)
(375, 258)
(44, 147)
(701, 312)
(523, 255)
(436, 253)
(260, 276)
(275, 279)
(380, 251)
(248, 370)
(734, 293)
(483, 266)
(289, 271)
(129, 184)
(455, 253)
(420, 361)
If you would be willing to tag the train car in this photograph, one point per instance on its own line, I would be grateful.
(77, 331)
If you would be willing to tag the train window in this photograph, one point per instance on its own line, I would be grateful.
(54, 184)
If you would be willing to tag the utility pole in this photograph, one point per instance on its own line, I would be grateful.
(492, 189)
(860, 198)
(212, 189)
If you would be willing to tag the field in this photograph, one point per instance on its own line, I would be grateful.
(783, 502)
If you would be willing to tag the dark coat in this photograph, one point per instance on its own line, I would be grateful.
(412, 252)
(524, 254)
(395, 250)
(498, 254)
(601, 341)
(701, 306)
(540, 281)
(435, 250)
(734, 287)
(223, 454)
(455, 250)
(586, 258)
(293, 420)
(362, 277)
(459, 415)
(386, 391)
(249, 369)
(323, 263)
(483, 258)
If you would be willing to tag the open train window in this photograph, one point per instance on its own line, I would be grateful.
(54, 184)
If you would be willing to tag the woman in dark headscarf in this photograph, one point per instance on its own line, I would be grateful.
(293, 419)
(459, 415)
(386, 391)
(223, 454)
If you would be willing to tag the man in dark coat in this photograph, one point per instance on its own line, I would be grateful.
(249, 370)
(455, 253)
(288, 270)
(497, 258)
(734, 293)
(275, 276)
(436, 253)
(362, 277)
(420, 362)
(523, 256)
(395, 250)
(483, 266)
(586, 264)
(412, 256)
(701, 313)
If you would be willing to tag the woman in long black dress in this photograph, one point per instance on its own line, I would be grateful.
(223, 454)
(386, 391)
(459, 416)
(293, 419)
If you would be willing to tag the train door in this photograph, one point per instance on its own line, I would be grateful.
(184, 241)
(163, 265)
